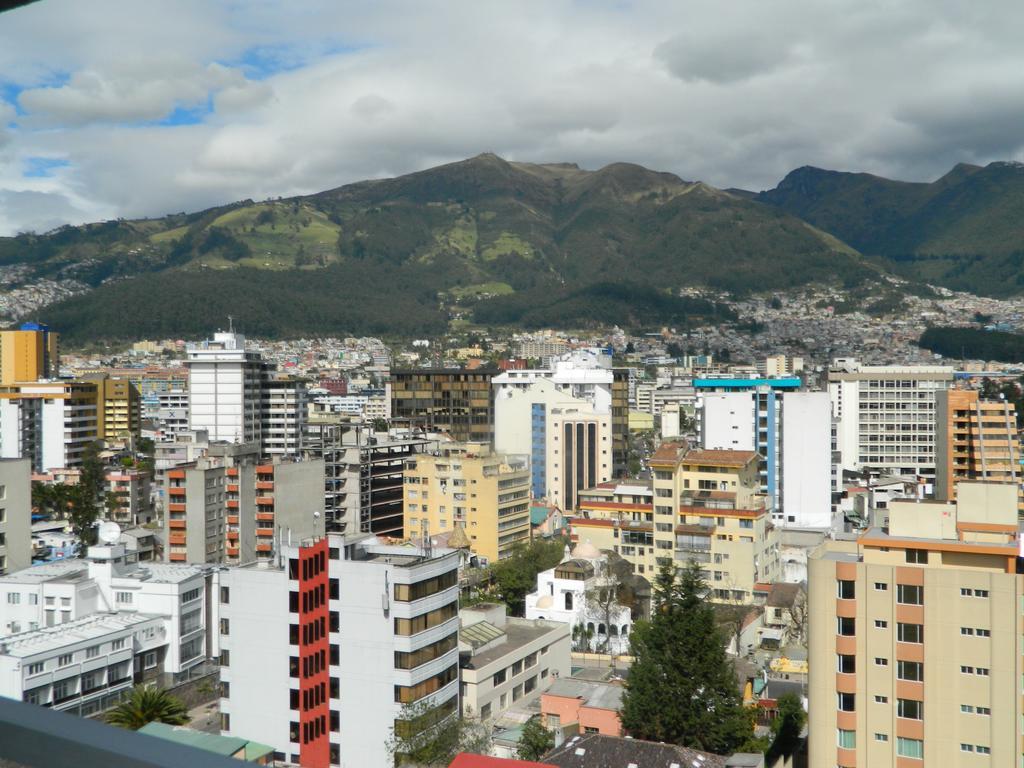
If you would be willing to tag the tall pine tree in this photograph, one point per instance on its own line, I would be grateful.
(681, 687)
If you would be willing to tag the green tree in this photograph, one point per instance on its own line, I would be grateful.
(85, 498)
(516, 575)
(431, 736)
(148, 705)
(536, 740)
(682, 688)
(788, 724)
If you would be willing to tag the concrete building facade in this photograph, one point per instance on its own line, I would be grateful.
(226, 384)
(457, 402)
(467, 486)
(915, 636)
(791, 431)
(15, 515)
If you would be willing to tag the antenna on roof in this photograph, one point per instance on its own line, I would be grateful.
(231, 324)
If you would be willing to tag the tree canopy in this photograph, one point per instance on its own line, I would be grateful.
(682, 688)
(516, 576)
(148, 705)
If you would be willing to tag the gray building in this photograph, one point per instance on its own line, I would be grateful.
(15, 514)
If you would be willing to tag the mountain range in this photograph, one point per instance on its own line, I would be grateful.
(491, 241)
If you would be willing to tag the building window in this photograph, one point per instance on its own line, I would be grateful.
(909, 633)
(881, 699)
(125, 598)
(846, 739)
(881, 623)
(118, 644)
(910, 748)
(881, 737)
(910, 709)
(918, 556)
(92, 652)
(845, 626)
(225, 595)
(881, 662)
(846, 590)
(13, 598)
(846, 702)
(910, 670)
(36, 669)
(66, 660)
(846, 663)
(909, 594)
(881, 586)
(225, 626)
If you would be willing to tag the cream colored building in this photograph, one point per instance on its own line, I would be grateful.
(701, 505)
(916, 637)
(468, 486)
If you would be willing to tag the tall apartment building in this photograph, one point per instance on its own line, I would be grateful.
(886, 415)
(132, 490)
(457, 402)
(230, 507)
(577, 453)
(363, 473)
(226, 388)
(15, 515)
(975, 439)
(171, 414)
(469, 487)
(49, 422)
(322, 647)
(916, 654)
(118, 407)
(30, 353)
(701, 505)
(285, 409)
(791, 432)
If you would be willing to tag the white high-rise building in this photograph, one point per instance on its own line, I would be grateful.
(15, 514)
(533, 410)
(886, 415)
(321, 651)
(285, 408)
(226, 385)
(792, 432)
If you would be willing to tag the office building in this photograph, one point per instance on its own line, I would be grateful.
(171, 415)
(915, 650)
(323, 648)
(459, 403)
(469, 487)
(975, 439)
(226, 388)
(702, 505)
(15, 515)
(886, 415)
(781, 365)
(30, 353)
(791, 432)
(508, 661)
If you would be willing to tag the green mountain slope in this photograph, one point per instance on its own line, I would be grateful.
(964, 230)
(437, 244)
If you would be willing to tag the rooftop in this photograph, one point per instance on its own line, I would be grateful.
(594, 750)
(519, 632)
(597, 695)
(91, 627)
(209, 742)
(720, 458)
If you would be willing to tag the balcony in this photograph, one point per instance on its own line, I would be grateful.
(176, 491)
(232, 503)
(175, 507)
(265, 533)
(265, 501)
(262, 485)
(232, 519)
(176, 524)
(177, 538)
(265, 517)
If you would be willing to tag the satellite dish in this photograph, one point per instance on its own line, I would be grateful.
(109, 532)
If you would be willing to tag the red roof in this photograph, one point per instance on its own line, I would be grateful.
(469, 760)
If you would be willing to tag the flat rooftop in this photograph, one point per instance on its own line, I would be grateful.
(92, 627)
(594, 694)
(518, 632)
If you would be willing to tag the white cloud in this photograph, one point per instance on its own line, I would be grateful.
(304, 101)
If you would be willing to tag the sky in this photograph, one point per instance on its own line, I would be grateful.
(129, 109)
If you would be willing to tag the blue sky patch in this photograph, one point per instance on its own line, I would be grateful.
(194, 115)
(265, 61)
(42, 167)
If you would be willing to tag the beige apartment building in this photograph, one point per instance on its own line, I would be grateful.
(975, 439)
(701, 505)
(916, 637)
(467, 486)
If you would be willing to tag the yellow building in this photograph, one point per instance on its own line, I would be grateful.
(931, 605)
(117, 406)
(701, 505)
(466, 486)
(29, 353)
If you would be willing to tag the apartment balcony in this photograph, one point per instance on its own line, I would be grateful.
(265, 501)
(175, 507)
(232, 519)
(231, 536)
(176, 491)
(232, 472)
(232, 488)
(176, 474)
(267, 517)
(176, 538)
(177, 557)
(266, 548)
(176, 524)
(265, 533)
(263, 485)
(232, 503)
(232, 551)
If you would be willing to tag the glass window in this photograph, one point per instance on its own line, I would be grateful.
(910, 709)
(846, 739)
(909, 633)
(909, 747)
(909, 594)
(846, 626)
(846, 590)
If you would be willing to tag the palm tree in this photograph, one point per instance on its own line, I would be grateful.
(147, 705)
